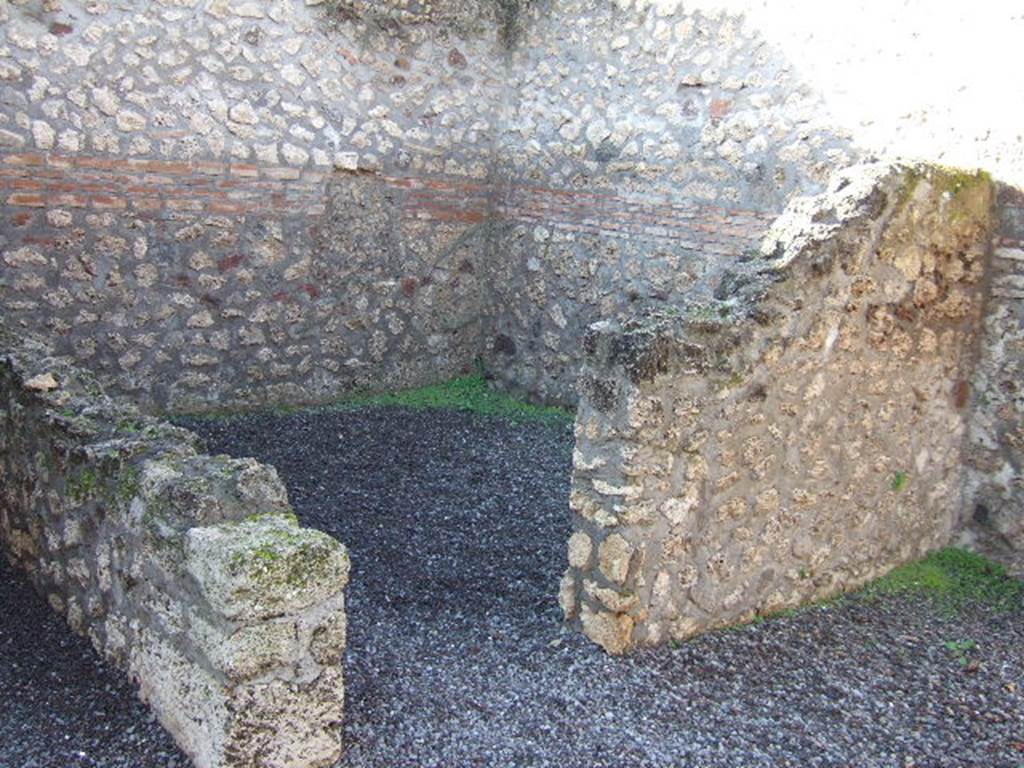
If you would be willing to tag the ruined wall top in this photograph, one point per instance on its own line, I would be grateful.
(795, 436)
(945, 211)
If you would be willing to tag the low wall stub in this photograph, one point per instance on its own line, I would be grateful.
(189, 571)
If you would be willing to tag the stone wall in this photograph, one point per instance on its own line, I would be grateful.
(995, 457)
(188, 571)
(223, 203)
(913, 80)
(798, 434)
(643, 149)
(216, 203)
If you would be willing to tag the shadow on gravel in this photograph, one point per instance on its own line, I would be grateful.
(457, 524)
(61, 706)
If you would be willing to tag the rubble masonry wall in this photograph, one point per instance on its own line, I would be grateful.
(190, 572)
(796, 436)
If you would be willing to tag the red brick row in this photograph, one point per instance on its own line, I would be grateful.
(732, 241)
(39, 179)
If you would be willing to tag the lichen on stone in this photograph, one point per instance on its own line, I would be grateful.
(263, 567)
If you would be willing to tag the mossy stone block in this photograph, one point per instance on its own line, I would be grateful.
(264, 567)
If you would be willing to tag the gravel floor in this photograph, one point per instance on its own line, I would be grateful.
(61, 706)
(456, 525)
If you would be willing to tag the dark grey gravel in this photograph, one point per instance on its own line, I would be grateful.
(61, 706)
(456, 524)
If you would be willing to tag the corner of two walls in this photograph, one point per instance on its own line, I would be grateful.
(642, 152)
(994, 455)
(230, 205)
(227, 204)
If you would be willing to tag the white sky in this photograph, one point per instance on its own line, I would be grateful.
(930, 79)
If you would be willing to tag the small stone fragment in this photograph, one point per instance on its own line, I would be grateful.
(611, 599)
(580, 547)
(243, 113)
(615, 553)
(43, 135)
(128, 120)
(328, 644)
(567, 595)
(44, 382)
(613, 632)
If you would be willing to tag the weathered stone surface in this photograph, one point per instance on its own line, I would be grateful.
(43, 382)
(611, 631)
(614, 556)
(247, 651)
(580, 547)
(816, 412)
(264, 567)
(328, 643)
(611, 599)
(189, 571)
(284, 725)
(993, 517)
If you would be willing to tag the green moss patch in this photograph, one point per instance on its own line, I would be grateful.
(466, 393)
(955, 180)
(974, 183)
(127, 487)
(899, 481)
(953, 579)
(282, 556)
(83, 486)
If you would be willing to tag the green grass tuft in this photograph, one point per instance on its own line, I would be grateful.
(899, 481)
(954, 579)
(466, 393)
